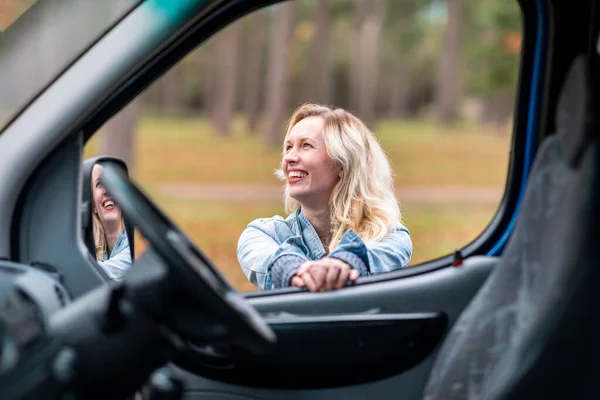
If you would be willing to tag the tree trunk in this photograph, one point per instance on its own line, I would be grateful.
(399, 93)
(279, 71)
(118, 135)
(210, 74)
(315, 86)
(447, 88)
(228, 54)
(367, 60)
(256, 35)
(360, 12)
(169, 91)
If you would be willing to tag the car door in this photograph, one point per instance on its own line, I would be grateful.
(377, 338)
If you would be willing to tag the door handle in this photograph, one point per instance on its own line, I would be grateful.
(217, 356)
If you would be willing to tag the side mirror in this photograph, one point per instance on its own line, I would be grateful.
(87, 204)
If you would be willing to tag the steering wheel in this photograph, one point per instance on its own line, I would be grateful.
(195, 276)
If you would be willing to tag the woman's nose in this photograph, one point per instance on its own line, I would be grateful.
(291, 156)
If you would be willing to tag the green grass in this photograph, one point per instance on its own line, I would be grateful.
(188, 151)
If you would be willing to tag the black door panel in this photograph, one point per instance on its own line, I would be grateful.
(381, 344)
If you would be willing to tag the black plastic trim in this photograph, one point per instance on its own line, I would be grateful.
(327, 351)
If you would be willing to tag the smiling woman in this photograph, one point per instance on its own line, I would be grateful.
(344, 219)
(110, 237)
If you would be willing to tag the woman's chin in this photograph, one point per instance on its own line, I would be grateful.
(297, 195)
(111, 217)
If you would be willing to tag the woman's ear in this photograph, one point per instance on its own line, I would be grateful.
(341, 173)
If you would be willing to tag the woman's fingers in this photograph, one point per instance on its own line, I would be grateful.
(298, 282)
(343, 277)
(304, 267)
(318, 273)
(333, 275)
(324, 275)
(310, 283)
(347, 273)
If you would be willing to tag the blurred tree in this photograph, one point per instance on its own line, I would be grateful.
(210, 74)
(227, 74)
(317, 78)
(448, 79)
(192, 81)
(493, 52)
(365, 50)
(255, 36)
(279, 68)
(118, 134)
(401, 48)
(169, 91)
(404, 58)
(354, 63)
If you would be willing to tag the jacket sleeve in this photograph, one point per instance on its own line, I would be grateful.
(267, 263)
(117, 266)
(392, 252)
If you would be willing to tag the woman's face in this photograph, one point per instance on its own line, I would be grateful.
(311, 174)
(103, 205)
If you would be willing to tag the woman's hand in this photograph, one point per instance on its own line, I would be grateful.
(324, 275)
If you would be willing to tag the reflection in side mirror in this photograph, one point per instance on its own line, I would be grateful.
(107, 234)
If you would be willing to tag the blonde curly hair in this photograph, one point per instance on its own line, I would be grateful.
(99, 237)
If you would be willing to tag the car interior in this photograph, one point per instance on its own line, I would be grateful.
(509, 316)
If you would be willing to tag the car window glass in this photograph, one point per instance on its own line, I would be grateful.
(435, 81)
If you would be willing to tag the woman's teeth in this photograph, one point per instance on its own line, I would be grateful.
(297, 174)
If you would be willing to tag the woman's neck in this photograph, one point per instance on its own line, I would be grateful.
(319, 218)
(112, 232)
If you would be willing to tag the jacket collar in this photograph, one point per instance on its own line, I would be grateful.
(310, 236)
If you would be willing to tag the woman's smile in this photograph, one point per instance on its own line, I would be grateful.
(295, 176)
(108, 205)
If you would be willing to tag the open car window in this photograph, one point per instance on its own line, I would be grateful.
(436, 85)
(39, 39)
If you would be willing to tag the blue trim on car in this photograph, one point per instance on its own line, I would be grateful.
(532, 121)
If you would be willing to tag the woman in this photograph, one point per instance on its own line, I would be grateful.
(344, 219)
(110, 237)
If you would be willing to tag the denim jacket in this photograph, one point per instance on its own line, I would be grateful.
(267, 241)
(119, 261)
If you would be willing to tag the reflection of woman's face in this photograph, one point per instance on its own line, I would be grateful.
(104, 206)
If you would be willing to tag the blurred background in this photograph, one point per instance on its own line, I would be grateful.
(435, 81)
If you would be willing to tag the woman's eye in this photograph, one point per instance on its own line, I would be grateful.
(288, 148)
(307, 145)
